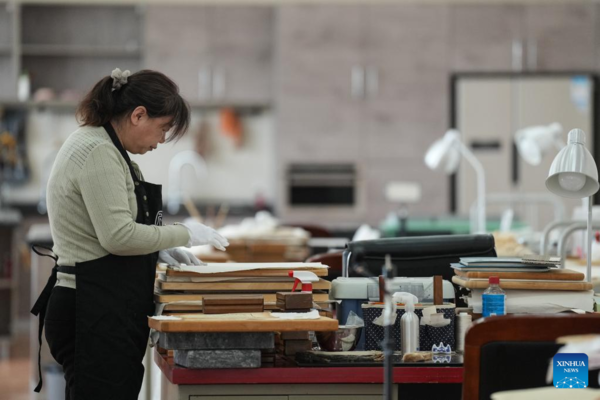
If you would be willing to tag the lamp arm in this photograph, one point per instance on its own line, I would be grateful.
(480, 173)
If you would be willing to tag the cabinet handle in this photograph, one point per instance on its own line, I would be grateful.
(372, 81)
(532, 55)
(357, 82)
(218, 83)
(517, 55)
(204, 86)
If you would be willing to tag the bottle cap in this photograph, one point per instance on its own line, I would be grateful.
(410, 307)
(494, 280)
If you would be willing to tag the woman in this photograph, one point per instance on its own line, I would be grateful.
(107, 230)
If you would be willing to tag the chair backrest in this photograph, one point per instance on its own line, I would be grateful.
(417, 256)
(332, 259)
(513, 351)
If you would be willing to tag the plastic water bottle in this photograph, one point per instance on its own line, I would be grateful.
(494, 298)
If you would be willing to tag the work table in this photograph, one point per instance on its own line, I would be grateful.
(288, 381)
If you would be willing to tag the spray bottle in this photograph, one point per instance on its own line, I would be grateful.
(409, 329)
(305, 278)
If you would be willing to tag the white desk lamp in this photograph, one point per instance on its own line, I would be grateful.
(445, 155)
(574, 174)
(534, 142)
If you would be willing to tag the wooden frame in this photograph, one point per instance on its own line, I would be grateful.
(518, 328)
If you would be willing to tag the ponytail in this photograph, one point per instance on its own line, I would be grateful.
(150, 89)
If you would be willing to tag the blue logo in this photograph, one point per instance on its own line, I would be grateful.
(570, 370)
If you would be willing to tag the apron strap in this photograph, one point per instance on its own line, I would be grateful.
(140, 191)
(43, 254)
(39, 308)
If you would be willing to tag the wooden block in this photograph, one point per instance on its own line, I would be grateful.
(295, 335)
(295, 300)
(291, 347)
(232, 309)
(438, 294)
(233, 300)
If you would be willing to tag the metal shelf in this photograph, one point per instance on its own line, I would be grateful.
(58, 50)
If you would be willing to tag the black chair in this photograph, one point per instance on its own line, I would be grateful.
(416, 256)
(513, 351)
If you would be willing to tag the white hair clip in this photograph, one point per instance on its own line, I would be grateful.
(119, 78)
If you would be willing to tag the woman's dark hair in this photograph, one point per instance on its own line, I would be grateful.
(150, 89)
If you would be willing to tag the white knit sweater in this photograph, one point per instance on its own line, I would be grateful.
(92, 206)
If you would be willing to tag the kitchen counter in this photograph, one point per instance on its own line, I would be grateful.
(288, 381)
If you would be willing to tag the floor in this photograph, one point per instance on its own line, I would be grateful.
(14, 371)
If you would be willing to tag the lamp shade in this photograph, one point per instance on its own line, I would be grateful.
(444, 155)
(573, 172)
(535, 141)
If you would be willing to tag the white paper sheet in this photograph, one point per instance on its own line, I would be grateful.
(314, 314)
(214, 268)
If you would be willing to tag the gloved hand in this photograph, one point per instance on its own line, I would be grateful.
(201, 234)
(176, 256)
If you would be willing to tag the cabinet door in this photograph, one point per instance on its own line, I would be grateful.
(177, 45)
(406, 51)
(241, 52)
(317, 48)
(214, 53)
(485, 118)
(560, 36)
(482, 37)
(318, 117)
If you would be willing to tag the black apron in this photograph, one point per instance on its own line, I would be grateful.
(114, 298)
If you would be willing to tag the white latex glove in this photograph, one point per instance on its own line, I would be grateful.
(176, 256)
(201, 234)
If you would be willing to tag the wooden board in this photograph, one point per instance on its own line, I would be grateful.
(238, 286)
(233, 308)
(269, 297)
(554, 275)
(523, 285)
(250, 273)
(250, 322)
(188, 308)
(240, 299)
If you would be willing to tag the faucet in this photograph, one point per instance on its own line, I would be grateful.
(174, 192)
(46, 169)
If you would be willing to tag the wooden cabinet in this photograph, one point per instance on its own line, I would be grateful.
(483, 37)
(560, 37)
(220, 54)
(363, 84)
(513, 37)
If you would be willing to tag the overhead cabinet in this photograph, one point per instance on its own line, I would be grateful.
(512, 37)
(67, 48)
(216, 54)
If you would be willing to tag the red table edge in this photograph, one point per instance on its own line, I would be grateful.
(304, 375)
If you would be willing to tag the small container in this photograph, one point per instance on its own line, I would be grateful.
(409, 330)
(464, 323)
(494, 298)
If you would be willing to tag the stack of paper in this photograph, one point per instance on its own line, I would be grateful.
(507, 264)
(183, 288)
(532, 285)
